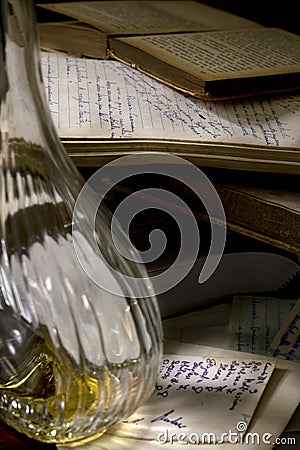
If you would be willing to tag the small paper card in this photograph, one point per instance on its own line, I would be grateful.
(281, 394)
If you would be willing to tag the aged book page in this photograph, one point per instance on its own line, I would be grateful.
(203, 51)
(218, 63)
(97, 103)
(222, 391)
(148, 17)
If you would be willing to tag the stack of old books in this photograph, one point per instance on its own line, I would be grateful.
(98, 103)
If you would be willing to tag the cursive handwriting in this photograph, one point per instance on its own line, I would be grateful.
(234, 379)
(109, 99)
(167, 417)
(256, 320)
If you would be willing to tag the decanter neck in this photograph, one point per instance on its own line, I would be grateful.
(24, 113)
(19, 59)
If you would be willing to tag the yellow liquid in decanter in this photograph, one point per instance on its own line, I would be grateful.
(75, 358)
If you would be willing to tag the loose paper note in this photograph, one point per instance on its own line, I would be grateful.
(190, 391)
(280, 398)
(107, 99)
(281, 394)
(256, 320)
(286, 343)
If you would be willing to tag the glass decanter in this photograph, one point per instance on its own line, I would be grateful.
(74, 358)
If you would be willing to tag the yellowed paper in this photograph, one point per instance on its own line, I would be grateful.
(265, 427)
(223, 54)
(256, 320)
(109, 100)
(190, 390)
(136, 17)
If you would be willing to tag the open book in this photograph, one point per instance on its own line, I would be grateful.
(218, 64)
(202, 51)
(98, 21)
(98, 104)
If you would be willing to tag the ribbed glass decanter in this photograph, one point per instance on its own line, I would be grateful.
(74, 358)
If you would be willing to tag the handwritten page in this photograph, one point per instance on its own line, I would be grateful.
(107, 99)
(286, 343)
(190, 390)
(256, 320)
(281, 393)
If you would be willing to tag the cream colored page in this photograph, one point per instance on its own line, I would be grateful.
(132, 17)
(253, 327)
(256, 320)
(223, 54)
(278, 403)
(191, 390)
(108, 99)
(207, 16)
(266, 425)
(286, 343)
